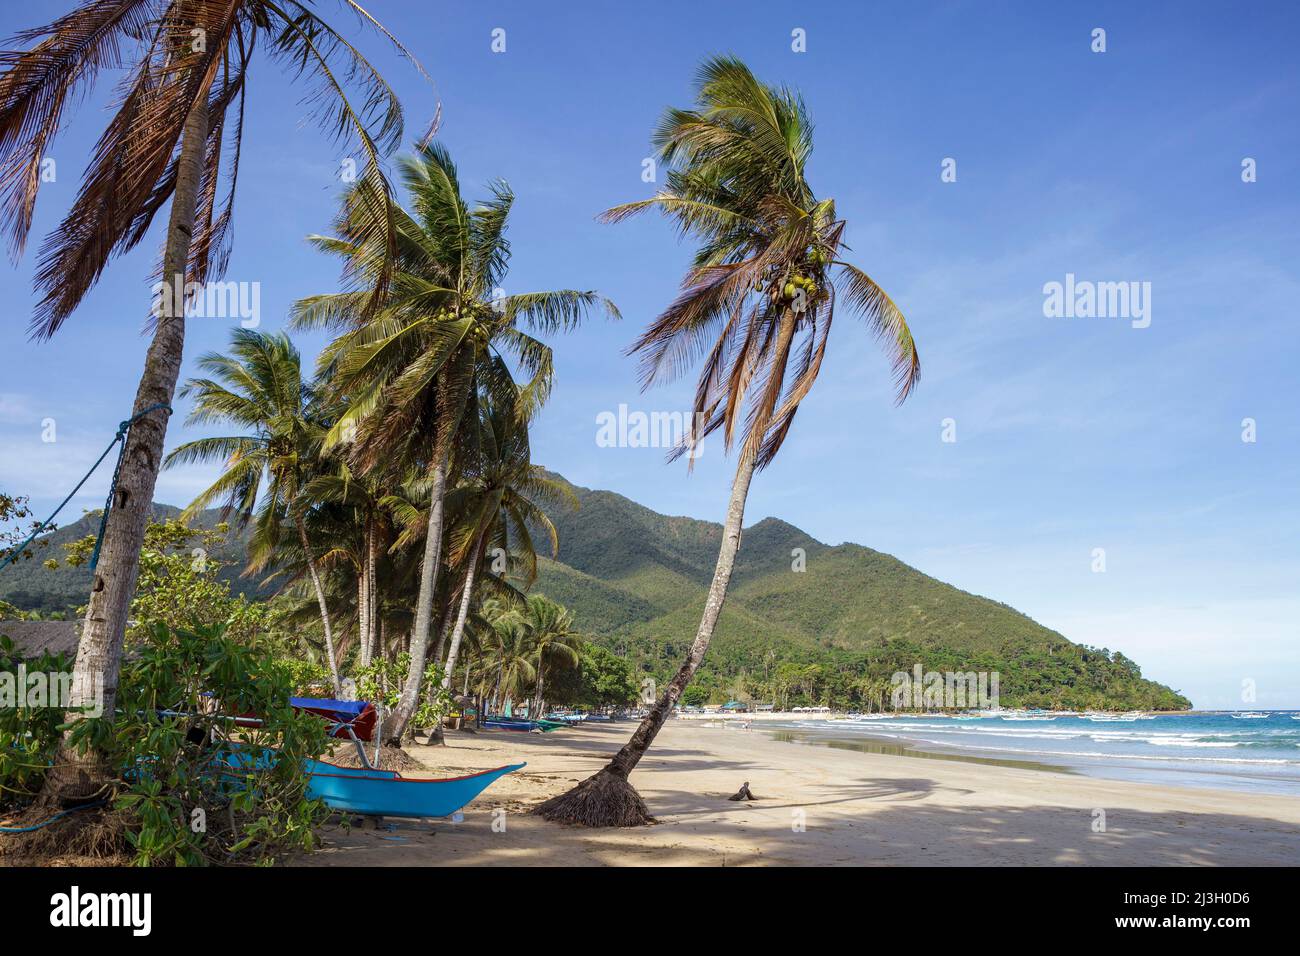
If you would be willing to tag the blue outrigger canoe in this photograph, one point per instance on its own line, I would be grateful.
(523, 724)
(386, 793)
(367, 790)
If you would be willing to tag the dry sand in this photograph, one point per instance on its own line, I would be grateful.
(817, 806)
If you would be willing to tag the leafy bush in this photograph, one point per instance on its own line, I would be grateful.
(195, 786)
(308, 678)
(27, 735)
(180, 584)
(381, 682)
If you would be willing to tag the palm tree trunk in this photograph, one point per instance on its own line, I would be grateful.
(607, 799)
(444, 630)
(410, 699)
(366, 595)
(541, 684)
(372, 595)
(496, 689)
(466, 598)
(324, 609)
(363, 619)
(99, 652)
(436, 736)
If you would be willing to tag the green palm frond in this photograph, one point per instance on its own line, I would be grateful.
(757, 306)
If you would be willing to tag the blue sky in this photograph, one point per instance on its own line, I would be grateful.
(1072, 434)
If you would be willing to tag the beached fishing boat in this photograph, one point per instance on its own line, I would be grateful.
(545, 723)
(549, 725)
(364, 790)
(521, 725)
(367, 790)
(370, 792)
(386, 793)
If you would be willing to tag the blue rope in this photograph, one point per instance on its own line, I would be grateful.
(122, 430)
(58, 816)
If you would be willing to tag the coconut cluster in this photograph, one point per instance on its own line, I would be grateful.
(788, 285)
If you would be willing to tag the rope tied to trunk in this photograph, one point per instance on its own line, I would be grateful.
(123, 429)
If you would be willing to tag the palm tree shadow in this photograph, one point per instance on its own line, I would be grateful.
(674, 803)
(893, 826)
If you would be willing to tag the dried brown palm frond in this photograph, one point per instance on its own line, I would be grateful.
(172, 53)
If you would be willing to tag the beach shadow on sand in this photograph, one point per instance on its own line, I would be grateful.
(705, 829)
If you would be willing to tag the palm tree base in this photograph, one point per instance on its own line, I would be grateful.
(75, 778)
(94, 837)
(602, 800)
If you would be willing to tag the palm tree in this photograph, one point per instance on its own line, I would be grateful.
(509, 651)
(556, 645)
(362, 494)
(499, 501)
(259, 386)
(411, 369)
(178, 126)
(759, 299)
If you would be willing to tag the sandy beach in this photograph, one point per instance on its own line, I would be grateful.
(816, 806)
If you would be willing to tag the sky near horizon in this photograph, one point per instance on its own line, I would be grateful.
(1071, 434)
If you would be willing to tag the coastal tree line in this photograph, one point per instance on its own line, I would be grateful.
(1073, 678)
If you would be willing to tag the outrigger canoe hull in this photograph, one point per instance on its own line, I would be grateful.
(386, 793)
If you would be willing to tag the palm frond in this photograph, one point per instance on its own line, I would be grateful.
(887, 322)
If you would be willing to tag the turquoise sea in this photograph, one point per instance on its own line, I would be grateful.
(1198, 749)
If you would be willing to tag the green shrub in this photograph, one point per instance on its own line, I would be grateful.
(193, 786)
(28, 736)
(381, 682)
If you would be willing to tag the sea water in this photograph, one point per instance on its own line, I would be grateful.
(1202, 749)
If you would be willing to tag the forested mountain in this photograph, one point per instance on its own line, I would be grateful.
(834, 631)
(804, 622)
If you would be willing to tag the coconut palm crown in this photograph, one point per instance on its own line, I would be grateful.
(259, 387)
(768, 271)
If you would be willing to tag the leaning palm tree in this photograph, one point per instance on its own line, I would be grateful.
(259, 387)
(178, 126)
(758, 302)
(411, 369)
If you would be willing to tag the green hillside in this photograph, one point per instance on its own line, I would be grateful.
(832, 633)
